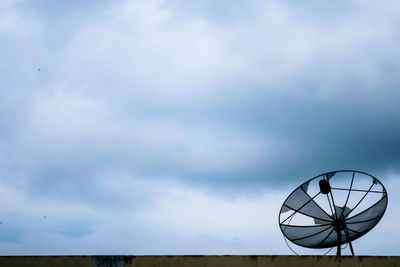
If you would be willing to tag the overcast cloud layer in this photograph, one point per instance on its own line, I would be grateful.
(179, 127)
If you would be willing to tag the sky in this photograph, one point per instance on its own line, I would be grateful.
(180, 127)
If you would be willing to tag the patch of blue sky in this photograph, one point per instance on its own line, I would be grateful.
(11, 234)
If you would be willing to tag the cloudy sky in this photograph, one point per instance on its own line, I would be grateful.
(180, 127)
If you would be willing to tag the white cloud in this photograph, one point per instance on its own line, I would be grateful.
(69, 129)
(140, 47)
(12, 24)
(179, 220)
(178, 215)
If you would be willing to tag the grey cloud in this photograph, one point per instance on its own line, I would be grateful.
(266, 101)
(330, 104)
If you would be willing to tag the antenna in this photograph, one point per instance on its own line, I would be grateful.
(333, 209)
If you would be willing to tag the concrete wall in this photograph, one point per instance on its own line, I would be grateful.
(194, 261)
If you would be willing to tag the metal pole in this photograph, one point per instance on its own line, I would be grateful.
(348, 238)
(351, 248)
(339, 252)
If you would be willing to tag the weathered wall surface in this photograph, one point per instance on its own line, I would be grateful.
(196, 261)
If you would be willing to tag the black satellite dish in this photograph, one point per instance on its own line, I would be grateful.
(333, 209)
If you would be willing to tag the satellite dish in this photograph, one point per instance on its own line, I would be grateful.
(333, 209)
